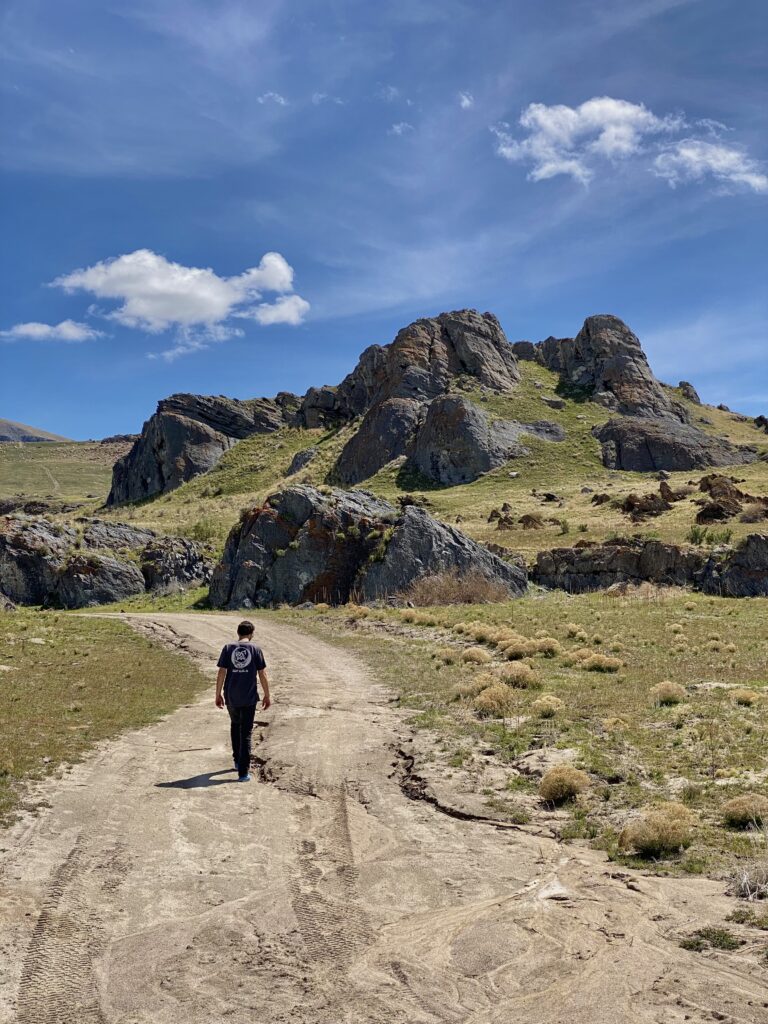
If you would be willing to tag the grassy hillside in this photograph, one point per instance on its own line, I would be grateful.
(70, 471)
(12, 431)
(208, 506)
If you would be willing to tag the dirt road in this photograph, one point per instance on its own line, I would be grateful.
(154, 890)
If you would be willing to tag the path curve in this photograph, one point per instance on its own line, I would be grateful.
(151, 890)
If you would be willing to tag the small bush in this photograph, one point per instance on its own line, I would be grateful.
(615, 724)
(747, 698)
(205, 529)
(358, 611)
(601, 663)
(548, 646)
(408, 615)
(675, 627)
(750, 809)
(449, 655)
(473, 685)
(754, 514)
(515, 650)
(711, 938)
(461, 627)
(519, 676)
(572, 629)
(496, 701)
(561, 783)
(660, 832)
(455, 587)
(476, 656)
(547, 706)
(421, 619)
(666, 694)
(750, 881)
(322, 607)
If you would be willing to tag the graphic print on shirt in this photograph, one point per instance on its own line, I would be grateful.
(241, 658)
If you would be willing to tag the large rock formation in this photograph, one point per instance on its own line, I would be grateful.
(642, 445)
(45, 564)
(458, 441)
(306, 545)
(187, 436)
(727, 572)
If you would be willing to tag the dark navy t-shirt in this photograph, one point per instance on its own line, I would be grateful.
(242, 661)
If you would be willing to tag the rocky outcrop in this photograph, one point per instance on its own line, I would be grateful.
(301, 460)
(728, 572)
(43, 564)
(687, 390)
(187, 436)
(643, 445)
(87, 580)
(458, 441)
(6, 605)
(308, 545)
(385, 433)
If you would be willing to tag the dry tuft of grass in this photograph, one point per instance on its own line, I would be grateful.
(476, 656)
(454, 587)
(745, 811)
(357, 611)
(496, 701)
(616, 724)
(750, 881)
(746, 697)
(322, 607)
(448, 655)
(422, 619)
(666, 694)
(675, 627)
(599, 663)
(519, 676)
(547, 706)
(562, 783)
(471, 686)
(660, 832)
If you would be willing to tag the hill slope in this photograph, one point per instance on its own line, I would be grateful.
(11, 431)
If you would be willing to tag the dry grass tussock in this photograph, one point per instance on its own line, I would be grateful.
(476, 656)
(518, 648)
(586, 659)
(472, 685)
(496, 701)
(455, 587)
(519, 676)
(358, 611)
(561, 783)
(547, 706)
(666, 694)
(659, 832)
(748, 810)
(750, 880)
(746, 697)
(448, 655)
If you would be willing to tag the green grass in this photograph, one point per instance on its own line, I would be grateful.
(65, 472)
(90, 680)
(701, 752)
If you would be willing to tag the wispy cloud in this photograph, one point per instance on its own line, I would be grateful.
(388, 93)
(323, 97)
(466, 100)
(66, 330)
(401, 128)
(272, 97)
(583, 141)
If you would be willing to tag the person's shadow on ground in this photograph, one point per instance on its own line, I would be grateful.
(199, 781)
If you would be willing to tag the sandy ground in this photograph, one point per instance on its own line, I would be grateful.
(153, 889)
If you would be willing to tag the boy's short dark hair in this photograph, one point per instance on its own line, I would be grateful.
(245, 628)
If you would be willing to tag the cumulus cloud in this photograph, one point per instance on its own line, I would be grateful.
(66, 330)
(695, 160)
(568, 140)
(466, 100)
(401, 128)
(577, 141)
(272, 97)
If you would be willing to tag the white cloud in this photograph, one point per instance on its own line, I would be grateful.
(388, 93)
(272, 97)
(290, 309)
(156, 294)
(695, 160)
(466, 100)
(67, 330)
(569, 140)
(401, 128)
(324, 97)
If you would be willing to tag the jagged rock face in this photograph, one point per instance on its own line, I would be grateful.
(301, 460)
(6, 605)
(40, 563)
(88, 580)
(458, 441)
(643, 445)
(688, 391)
(420, 364)
(32, 551)
(385, 433)
(187, 436)
(739, 572)
(305, 545)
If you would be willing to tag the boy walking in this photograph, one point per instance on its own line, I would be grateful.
(236, 687)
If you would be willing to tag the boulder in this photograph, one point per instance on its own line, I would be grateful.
(308, 545)
(6, 605)
(644, 445)
(301, 460)
(385, 433)
(187, 436)
(761, 422)
(100, 533)
(641, 506)
(92, 579)
(688, 391)
(32, 551)
(170, 564)
(458, 441)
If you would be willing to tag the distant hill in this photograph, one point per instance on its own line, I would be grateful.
(10, 431)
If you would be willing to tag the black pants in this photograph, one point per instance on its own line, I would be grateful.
(240, 730)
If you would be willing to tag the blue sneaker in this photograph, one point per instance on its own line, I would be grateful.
(244, 778)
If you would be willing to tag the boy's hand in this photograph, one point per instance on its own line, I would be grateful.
(265, 703)
(219, 700)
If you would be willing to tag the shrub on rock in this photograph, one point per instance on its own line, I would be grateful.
(562, 783)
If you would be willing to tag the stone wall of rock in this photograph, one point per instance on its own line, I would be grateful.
(643, 445)
(308, 545)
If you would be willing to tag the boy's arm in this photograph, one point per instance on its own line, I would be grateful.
(221, 675)
(266, 699)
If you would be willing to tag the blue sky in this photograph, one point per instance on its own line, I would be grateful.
(233, 197)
